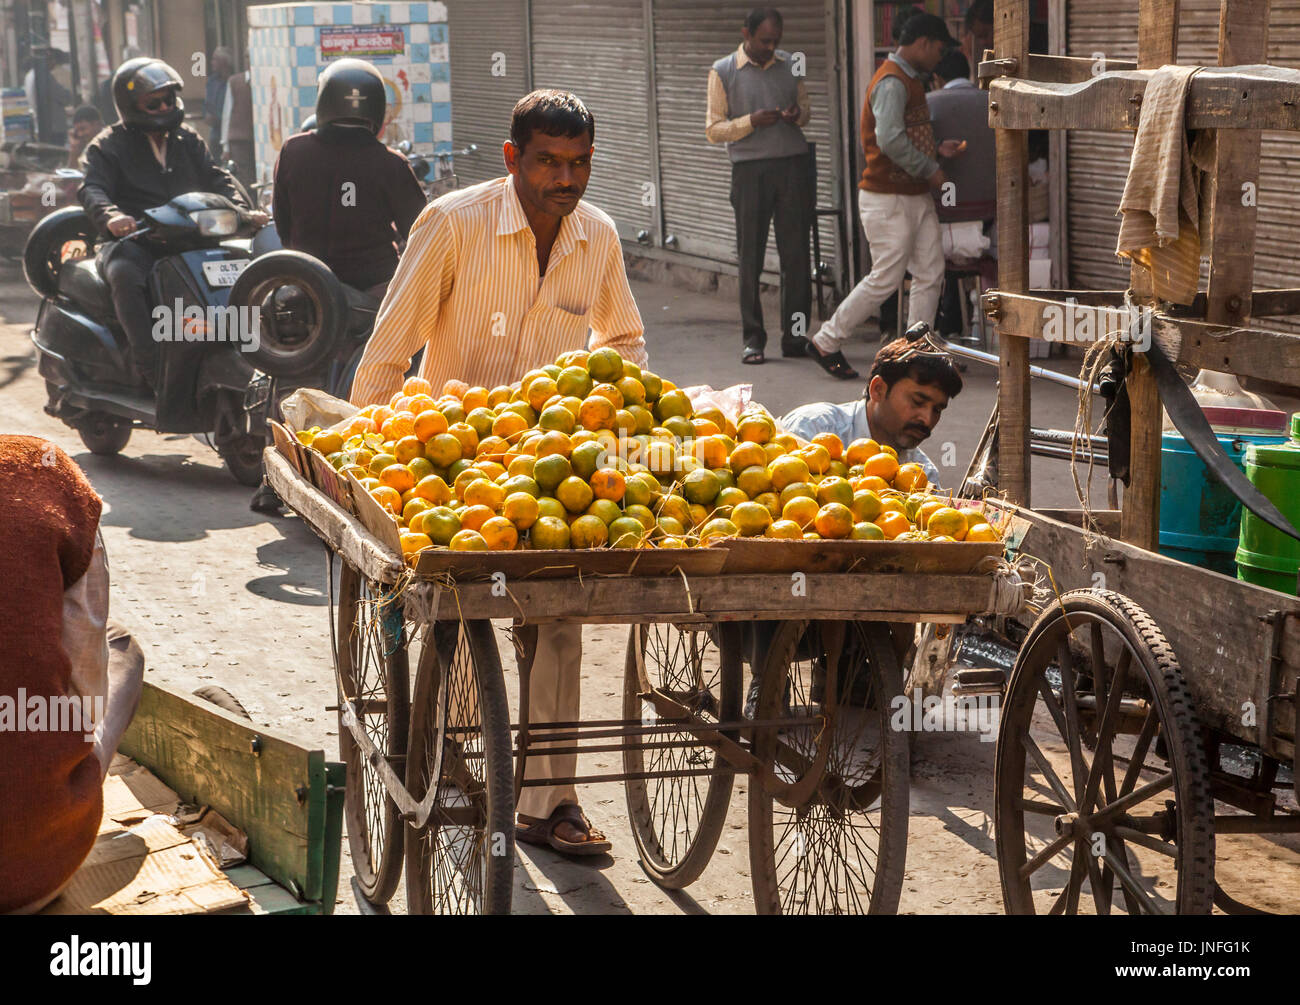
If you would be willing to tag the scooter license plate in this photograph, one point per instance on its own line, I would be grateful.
(225, 272)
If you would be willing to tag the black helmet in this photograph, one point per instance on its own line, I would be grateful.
(351, 91)
(143, 75)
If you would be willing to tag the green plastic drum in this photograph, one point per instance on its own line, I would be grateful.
(1267, 557)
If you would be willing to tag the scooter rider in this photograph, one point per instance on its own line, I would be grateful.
(340, 194)
(146, 159)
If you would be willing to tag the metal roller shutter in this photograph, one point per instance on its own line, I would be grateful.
(598, 50)
(688, 37)
(485, 37)
(1098, 162)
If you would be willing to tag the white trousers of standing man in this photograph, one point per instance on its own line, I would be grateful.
(903, 232)
(554, 695)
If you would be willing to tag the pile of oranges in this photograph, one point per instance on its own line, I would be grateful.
(595, 452)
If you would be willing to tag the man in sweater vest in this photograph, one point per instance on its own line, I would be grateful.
(757, 106)
(70, 679)
(898, 214)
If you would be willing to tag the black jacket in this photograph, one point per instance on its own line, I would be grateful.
(123, 176)
(347, 199)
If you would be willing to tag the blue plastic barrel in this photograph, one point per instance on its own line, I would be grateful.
(1200, 519)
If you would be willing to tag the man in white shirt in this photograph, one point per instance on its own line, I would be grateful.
(910, 384)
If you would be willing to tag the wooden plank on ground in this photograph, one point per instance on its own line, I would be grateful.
(1011, 41)
(249, 776)
(1216, 625)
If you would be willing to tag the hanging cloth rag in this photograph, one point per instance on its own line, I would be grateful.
(1161, 207)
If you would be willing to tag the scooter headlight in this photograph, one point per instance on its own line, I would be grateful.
(216, 222)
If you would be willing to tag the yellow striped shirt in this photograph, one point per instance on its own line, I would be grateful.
(468, 289)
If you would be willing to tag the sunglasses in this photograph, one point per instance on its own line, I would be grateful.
(168, 100)
(922, 341)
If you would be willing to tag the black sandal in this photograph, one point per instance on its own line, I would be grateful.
(753, 355)
(834, 363)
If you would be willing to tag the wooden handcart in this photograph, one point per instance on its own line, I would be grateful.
(1150, 689)
(434, 768)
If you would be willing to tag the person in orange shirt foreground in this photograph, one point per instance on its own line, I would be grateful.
(498, 279)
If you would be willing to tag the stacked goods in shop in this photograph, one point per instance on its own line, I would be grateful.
(595, 452)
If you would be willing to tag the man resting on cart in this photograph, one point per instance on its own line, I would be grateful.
(912, 380)
(498, 279)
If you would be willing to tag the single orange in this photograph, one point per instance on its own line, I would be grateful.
(468, 540)
(755, 427)
(408, 448)
(474, 397)
(554, 442)
(747, 454)
(981, 532)
(588, 532)
(474, 517)
(397, 476)
(785, 529)
(429, 424)
(833, 444)
(397, 425)
(520, 509)
(574, 493)
(597, 412)
(800, 510)
(911, 478)
(787, 470)
(817, 457)
(608, 483)
(434, 489)
(509, 425)
(416, 385)
(881, 465)
(467, 435)
(419, 403)
(892, 523)
(387, 497)
(482, 492)
(444, 450)
(500, 534)
(834, 520)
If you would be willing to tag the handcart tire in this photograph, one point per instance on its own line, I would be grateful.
(1149, 732)
(677, 821)
(841, 849)
(374, 668)
(454, 867)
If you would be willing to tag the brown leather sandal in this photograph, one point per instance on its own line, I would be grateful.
(542, 832)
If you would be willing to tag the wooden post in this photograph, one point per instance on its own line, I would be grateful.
(1140, 520)
(1011, 41)
(1242, 42)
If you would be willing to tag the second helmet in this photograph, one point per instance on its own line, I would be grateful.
(351, 91)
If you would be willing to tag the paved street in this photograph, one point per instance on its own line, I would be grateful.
(218, 594)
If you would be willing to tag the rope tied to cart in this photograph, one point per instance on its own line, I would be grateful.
(1015, 587)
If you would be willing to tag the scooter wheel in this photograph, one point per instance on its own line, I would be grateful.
(243, 459)
(103, 434)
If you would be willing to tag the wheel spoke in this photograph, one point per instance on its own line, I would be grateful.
(1074, 735)
(1101, 760)
(1131, 884)
(1139, 755)
(1138, 795)
(1166, 848)
(1046, 855)
(1049, 772)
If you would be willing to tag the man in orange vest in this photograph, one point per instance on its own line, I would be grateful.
(894, 201)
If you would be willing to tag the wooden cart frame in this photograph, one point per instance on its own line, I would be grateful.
(1170, 663)
(435, 768)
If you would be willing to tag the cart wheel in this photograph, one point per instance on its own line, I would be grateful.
(828, 823)
(462, 861)
(374, 672)
(1095, 672)
(677, 819)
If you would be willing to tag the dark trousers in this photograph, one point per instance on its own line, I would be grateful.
(762, 190)
(125, 266)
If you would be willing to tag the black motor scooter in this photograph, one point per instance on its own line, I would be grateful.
(206, 354)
